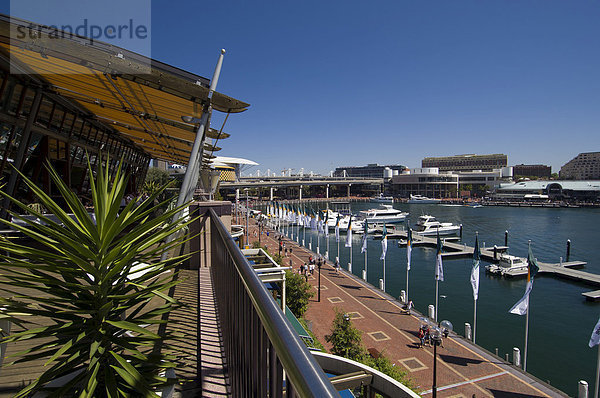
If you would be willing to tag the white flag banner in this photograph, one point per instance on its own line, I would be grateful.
(363, 248)
(408, 248)
(475, 269)
(383, 248)
(383, 242)
(349, 234)
(475, 280)
(439, 267)
(595, 338)
(520, 308)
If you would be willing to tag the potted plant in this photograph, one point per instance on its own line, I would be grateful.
(97, 278)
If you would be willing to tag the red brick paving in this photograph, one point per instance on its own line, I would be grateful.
(463, 370)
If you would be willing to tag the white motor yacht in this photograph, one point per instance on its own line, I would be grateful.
(508, 266)
(429, 226)
(415, 199)
(357, 225)
(383, 199)
(383, 214)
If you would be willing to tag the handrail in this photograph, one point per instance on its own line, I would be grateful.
(302, 370)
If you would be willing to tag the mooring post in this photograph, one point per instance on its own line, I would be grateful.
(461, 231)
(506, 238)
(495, 252)
(568, 248)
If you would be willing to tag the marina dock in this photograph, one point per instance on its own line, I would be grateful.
(453, 249)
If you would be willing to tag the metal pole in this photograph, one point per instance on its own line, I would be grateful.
(436, 300)
(434, 386)
(366, 251)
(187, 186)
(597, 374)
(327, 250)
(350, 264)
(319, 294)
(384, 274)
(474, 320)
(304, 229)
(407, 296)
(526, 326)
(247, 216)
(526, 335)
(190, 178)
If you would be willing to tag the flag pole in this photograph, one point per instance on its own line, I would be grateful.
(384, 274)
(526, 335)
(474, 319)
(350, 263)
(365, 265)
(597, 374)
(436, 299)
(526, 324)
(475, 299)
(408, 258)
(303, 225)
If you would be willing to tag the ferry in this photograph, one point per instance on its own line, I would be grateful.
(415, 199)
(429, 226)
(383, 214)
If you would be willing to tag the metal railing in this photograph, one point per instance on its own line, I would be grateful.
(265, 356)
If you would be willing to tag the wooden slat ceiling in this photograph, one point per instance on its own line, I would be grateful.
(145, 107)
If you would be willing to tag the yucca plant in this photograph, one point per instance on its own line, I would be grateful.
(100, 282)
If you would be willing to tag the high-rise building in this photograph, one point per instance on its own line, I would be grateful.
(585, 166)
(532, 170)
(468, 162)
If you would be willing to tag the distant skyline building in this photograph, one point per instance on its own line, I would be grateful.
(371, 170)
(585, 166)
(532, 170)
(431, 182)
(468, 162)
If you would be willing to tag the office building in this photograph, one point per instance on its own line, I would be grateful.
(468, 162)
(585, 166)
(532, 170)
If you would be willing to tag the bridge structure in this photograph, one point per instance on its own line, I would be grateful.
(293, 185)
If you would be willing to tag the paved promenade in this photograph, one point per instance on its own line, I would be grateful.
(463, 369)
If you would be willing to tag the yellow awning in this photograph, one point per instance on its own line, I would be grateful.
(140, 98)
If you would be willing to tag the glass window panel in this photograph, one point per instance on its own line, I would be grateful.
(57, 118)
(43, 116)
(14, 99)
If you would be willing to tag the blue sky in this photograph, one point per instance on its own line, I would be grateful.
(342, 83)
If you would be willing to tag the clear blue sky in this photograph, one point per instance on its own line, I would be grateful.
(337, 83)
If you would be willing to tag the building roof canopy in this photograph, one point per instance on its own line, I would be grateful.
(140, 98)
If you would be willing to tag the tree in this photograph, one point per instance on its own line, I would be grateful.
(160, 176)
(345, 338)
(298, 291)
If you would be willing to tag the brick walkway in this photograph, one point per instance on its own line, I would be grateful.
(463, 369)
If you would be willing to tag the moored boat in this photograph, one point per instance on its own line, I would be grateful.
(508, 266)
(429, 226)
(383, 199)
(415, 199)
(383, 214)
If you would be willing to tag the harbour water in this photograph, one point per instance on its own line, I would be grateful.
(561, 320)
